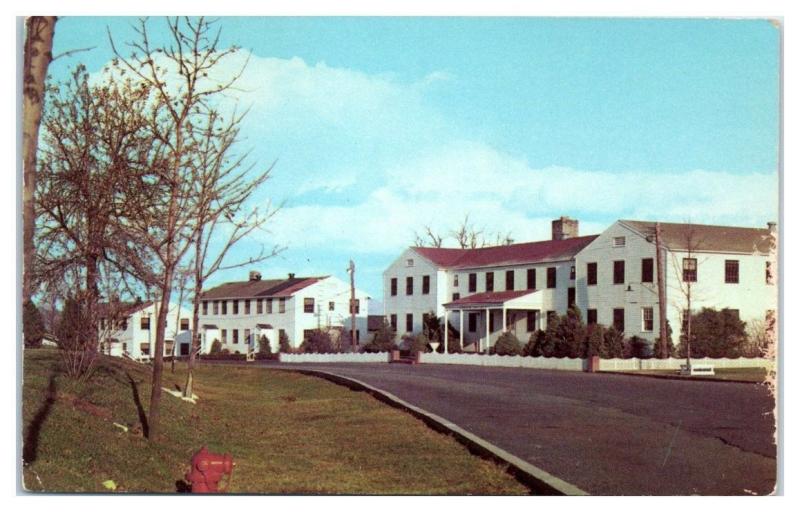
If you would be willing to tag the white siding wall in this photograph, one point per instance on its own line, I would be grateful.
(417, 303)
(751, 296)
(134, 336)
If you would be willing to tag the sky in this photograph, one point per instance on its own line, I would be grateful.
(379, 127)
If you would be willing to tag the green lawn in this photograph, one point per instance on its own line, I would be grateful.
(288, 433)
(743, 374)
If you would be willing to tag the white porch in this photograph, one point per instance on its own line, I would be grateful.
(483, 317)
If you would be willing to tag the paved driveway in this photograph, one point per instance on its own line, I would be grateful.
(607, 434)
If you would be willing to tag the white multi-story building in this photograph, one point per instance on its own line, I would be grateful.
(610, 277)
(723, 267)
(129, 329)
(238, 314)
(487, 290)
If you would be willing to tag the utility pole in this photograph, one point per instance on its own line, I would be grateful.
(662, 292)
(352, 270)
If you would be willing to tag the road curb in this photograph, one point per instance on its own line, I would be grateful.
(536, 478)
(684, 379)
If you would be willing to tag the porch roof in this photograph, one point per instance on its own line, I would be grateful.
(517, 299)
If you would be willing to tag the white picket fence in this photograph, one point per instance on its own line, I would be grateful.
(542, 363)
(377, 357)
(675, 364)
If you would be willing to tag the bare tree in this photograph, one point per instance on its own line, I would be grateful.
(180, 74)
(92, 146)
(466, 236)
(686, 272)
(36, 59)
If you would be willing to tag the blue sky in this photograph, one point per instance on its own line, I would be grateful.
(381, 126)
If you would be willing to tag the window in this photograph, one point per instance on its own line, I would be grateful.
(216, 307)
(269, 306)
(394, 286)
(247, 306)
(591, 316)
(619, 319)
(426, 285)
(509, 280)
(235, 307)
(355, 310)
(647, 319)
(473, 283)
(282, 305)
(144, 348)
(647, 270)
(552, 317)
(409, 285)
(247, 336)
(531, 279)
(409, 322)
(618, 241)
(572, 273)
(144, 324)
(282, 335)
(184, 324)
(489, 281)
(732, 271)
(531, 321)
(224, 307)
(551, 277)
(689, 270)
(331, 306)
(308, 305)
(455, 281)
(619, 272)
(591, 273)
(456, 296)
(235, 336)
(732, 312)
(205, 307)
(224, 336)
(260, 306)
(472, 322)
(409, 262)
(770, 274)
(393, 322)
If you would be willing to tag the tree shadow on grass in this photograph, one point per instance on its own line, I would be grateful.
(30, 447)
(139, 407)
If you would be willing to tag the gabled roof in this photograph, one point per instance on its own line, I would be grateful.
(121, 309)
(260, 288)
(513, 254)
(705, 238)
(489, 298)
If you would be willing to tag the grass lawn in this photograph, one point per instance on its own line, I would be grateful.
(744, 374)
(288, 433)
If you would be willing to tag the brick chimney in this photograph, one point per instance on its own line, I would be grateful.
(564, 227)
(255, 275)
(772, 227)
(291, 275)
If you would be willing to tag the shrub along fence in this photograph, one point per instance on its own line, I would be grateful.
(364, 357)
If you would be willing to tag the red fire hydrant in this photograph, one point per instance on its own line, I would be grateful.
(207, 470)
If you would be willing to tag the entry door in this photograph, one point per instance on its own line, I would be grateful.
(570, 296)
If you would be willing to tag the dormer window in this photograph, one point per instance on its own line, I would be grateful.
(618, 241)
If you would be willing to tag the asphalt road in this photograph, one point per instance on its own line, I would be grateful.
(606, 434)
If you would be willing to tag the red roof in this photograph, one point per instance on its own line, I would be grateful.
(259, 288)
(513, 254)
(489, 298)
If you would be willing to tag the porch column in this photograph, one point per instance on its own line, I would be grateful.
(505, 320)
(446, 327)
(488, 312)
(461, 328)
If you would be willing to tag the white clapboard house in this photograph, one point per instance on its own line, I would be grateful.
(129, 330)
(485, 291)
(238, 314)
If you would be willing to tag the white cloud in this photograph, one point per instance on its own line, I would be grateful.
(502, 193)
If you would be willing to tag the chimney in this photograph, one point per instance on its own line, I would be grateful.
(255, 275)
(291, 275)
(564, 227)
(772, 227)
